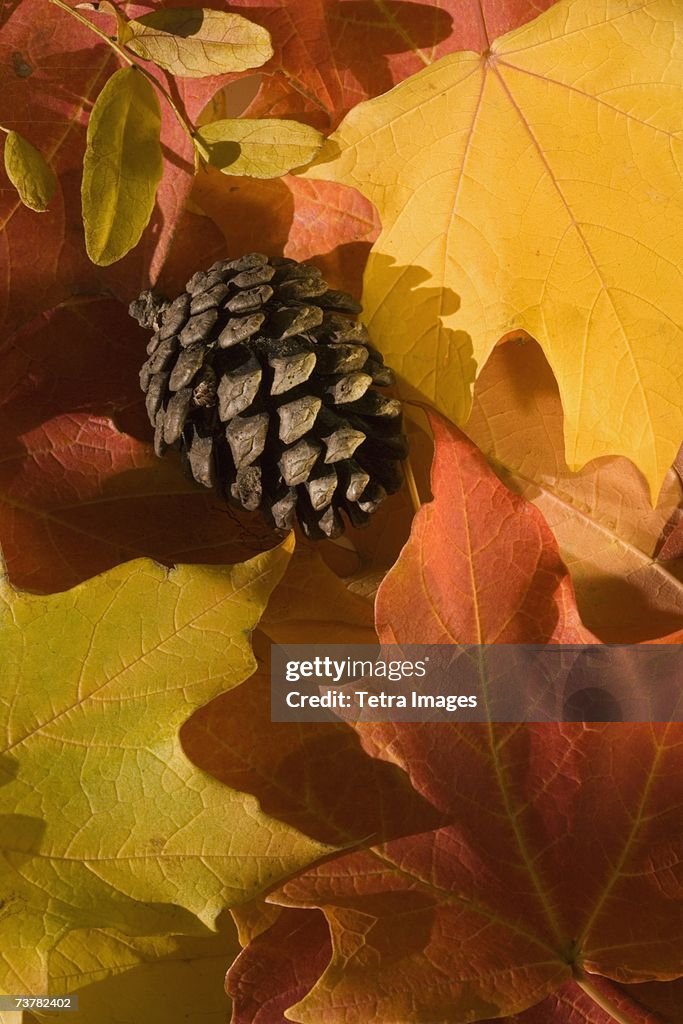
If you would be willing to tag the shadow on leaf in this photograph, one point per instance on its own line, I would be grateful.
(315, 777)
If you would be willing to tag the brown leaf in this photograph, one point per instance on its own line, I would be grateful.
(278, 967)
(553, 859)
(571, 1005)
(672, 534)
(558, 852)
(77, 497)
(287, 960)
(481, 565)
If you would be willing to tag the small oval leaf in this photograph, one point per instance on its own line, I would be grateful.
(32, 177)
(122, 166)
(263, 148)
(197, 43)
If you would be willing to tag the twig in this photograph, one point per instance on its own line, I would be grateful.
(187, 127)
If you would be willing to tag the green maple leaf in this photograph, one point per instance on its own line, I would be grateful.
(104, 823)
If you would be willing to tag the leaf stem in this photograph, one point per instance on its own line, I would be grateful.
(121, 51)
(600, 998)
(5, 130)
(94, 28)
(412, 485)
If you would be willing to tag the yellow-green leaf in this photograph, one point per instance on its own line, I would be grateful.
(169, 979)
(32, 177)
(104, 822)
(264, 148)
(195, 43)
(122, 166)
(537, 186)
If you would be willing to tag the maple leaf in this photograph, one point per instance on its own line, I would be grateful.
(175, 978)
(284, 960)
(83, 354)
(554, 863)
(308, 77)
(331, 56)
(106, 823)
(606, 1003)
(481, 565)
(78, 497)
(536, 187)
(279, 966)
(607, 531)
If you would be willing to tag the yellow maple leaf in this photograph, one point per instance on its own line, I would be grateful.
(537, 187)
(104, 821)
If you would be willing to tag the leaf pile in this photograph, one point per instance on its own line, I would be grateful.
(501, 179)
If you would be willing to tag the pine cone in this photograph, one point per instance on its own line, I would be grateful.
(262, 377)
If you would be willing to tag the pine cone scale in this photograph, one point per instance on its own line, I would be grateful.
(240, 329)
(188, 362)
(197, 327)
(209, 300)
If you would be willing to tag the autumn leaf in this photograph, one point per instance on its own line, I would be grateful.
(572, 1005)
(28, 172)
(253, 918)
(82, 355)
(197, 42)
(287, 958)
(105, 821)
(607, 530)
(114, 976)
(51, 72)
(279, 966)
(77, 495)
(672, 534)
(122, 167)
(536, 187)
(316, 778)
(515, 895)
(284, 961)
(496, 910)
(664, 999)
(481, 565)
(304, 220)
(262, 148)
(673, 543)
(331, 56)
(112, 11)
(313, 605)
